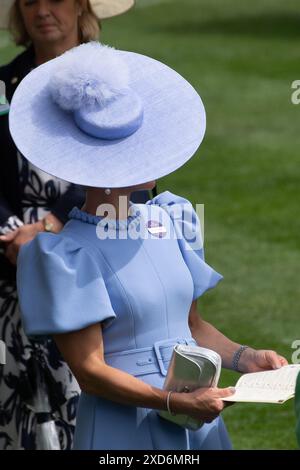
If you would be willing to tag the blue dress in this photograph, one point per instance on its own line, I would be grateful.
(139, 280)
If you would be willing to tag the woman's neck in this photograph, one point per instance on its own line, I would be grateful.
(115, 204)
(48, 51)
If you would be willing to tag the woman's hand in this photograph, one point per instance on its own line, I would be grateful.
(24, 234)
(14, 240)
(257, 360)
(204, 404)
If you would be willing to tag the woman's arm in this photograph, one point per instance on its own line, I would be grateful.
(251, 360)
(207, 336)
(83, 351)
(13, 240)
(94, 376)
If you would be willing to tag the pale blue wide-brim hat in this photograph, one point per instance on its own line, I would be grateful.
(101, 117)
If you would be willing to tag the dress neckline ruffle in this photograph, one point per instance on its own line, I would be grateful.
(86, 217)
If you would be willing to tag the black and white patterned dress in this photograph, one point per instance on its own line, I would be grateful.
(38, 393)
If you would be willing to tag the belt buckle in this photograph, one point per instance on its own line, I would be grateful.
(158, 344)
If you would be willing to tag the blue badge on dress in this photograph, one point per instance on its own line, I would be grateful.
(156, 229)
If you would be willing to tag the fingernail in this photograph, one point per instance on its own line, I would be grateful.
(232, 389)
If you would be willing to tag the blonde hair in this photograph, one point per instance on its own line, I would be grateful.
(88, 25)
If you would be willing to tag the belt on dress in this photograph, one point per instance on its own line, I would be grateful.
(149, 360)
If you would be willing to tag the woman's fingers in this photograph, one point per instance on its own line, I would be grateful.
(283, 361)
(8, 237)
(225, 392)
(273, 359)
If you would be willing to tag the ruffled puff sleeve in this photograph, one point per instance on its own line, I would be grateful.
(60, 287)
(187, 229)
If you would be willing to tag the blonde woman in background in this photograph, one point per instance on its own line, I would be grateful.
(38, 393)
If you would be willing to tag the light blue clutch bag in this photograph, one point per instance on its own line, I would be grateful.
(191, 367)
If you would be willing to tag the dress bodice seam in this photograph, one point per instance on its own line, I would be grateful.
(158, 277)
(162, 285)
(122, 291)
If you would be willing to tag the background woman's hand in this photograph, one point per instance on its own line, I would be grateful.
(14, 240)
(204, 404)
(257, 360)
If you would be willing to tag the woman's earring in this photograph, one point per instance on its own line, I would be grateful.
(107, 191)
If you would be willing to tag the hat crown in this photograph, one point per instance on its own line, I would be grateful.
(92, 81)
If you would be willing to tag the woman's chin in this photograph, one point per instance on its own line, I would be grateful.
(49, 34)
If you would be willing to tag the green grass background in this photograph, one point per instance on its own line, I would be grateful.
(242, 57)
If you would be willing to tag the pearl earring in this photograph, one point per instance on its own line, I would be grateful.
(107, 191)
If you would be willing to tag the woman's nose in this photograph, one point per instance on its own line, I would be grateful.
(43, 8)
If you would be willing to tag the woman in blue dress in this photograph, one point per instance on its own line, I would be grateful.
(117, 288)
(32, 201)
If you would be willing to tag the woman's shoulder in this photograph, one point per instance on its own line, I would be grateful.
(168, 199)
(60, 286)
(188, 229)
(180, 216)
(177, 207)
(18, 67)
(52, 249)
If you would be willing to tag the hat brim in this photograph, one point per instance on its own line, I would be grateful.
(108, 8)
(172, 129)
(103, 9)
(4, 17)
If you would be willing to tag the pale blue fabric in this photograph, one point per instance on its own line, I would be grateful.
(142, 289)
(61, 272)
(118, 119)
(188, 231)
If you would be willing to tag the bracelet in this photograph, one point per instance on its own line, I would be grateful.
(48, 226)
(236, 357)
(168, 404)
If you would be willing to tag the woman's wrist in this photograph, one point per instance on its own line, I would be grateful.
(40, 226)
(242, 358)
(179, 403)
(50, 223)
(235, 363)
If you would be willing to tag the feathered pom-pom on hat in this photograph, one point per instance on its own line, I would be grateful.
(90, 75)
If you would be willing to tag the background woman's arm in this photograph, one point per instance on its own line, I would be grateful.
(14, 239)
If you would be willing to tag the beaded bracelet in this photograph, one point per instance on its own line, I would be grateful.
(236, 357)
(168, 404)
